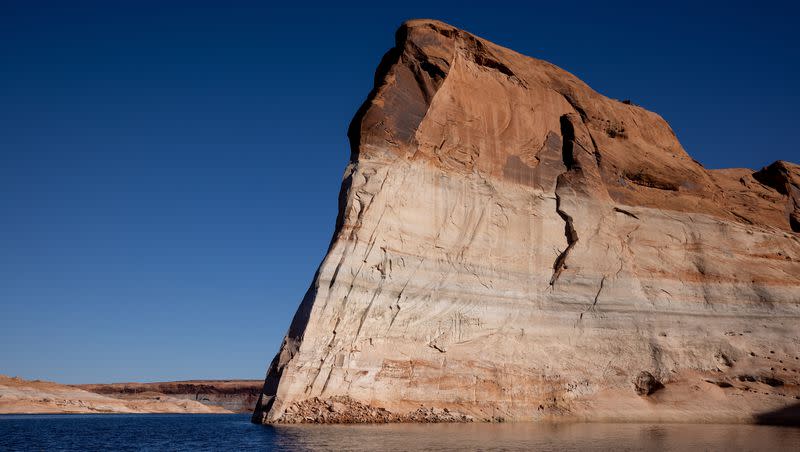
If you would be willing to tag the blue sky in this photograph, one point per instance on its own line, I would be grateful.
(169, 170)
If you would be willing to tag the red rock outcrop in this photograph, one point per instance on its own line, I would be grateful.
(513, 245)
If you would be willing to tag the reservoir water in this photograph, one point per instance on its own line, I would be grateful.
(184, 432)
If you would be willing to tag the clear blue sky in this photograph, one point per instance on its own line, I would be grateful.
(169, 173)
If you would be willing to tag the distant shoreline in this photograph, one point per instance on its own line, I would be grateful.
(36, 397)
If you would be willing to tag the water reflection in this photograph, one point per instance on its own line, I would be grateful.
(542, 437)
(235, 432)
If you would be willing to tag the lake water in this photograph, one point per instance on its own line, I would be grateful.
(235, 432)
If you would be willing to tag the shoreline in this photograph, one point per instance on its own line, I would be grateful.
(31, 397)
(553, 421)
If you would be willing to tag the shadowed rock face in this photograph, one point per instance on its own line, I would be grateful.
(513, 245)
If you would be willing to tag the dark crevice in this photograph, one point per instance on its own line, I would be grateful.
(625, 212)
(585, 121)
(568, 142)
(572, 237)
(567, 146)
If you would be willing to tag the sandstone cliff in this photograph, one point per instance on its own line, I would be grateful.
(513, 245)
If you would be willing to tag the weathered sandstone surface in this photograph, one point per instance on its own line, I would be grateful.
(18, 396)
(512, 245)
(233, 395)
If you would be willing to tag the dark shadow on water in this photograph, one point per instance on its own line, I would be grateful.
(786, 416)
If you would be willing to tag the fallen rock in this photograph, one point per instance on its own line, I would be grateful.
(645, 383)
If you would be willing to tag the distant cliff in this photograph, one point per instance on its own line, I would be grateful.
(233, 395)
(512, 245)
(18, 396)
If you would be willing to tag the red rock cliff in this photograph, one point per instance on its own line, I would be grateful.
(512, 244)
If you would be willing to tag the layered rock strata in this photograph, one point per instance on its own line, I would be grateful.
(512, 245)
(233, 395)
(18, 396)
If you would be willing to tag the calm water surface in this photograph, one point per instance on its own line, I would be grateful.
(234, 432)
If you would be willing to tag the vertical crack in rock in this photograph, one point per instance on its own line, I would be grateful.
(596, 297)
(572, 237)
(600, 289)
(567, 145)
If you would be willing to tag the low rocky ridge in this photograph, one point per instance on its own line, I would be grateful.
(512, 245)
(233, 395)
(18, 396)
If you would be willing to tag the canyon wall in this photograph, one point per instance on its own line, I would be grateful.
(512, 245)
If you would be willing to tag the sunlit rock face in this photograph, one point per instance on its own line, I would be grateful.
(513, 245)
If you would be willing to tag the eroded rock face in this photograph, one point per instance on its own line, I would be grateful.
(513, 245)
